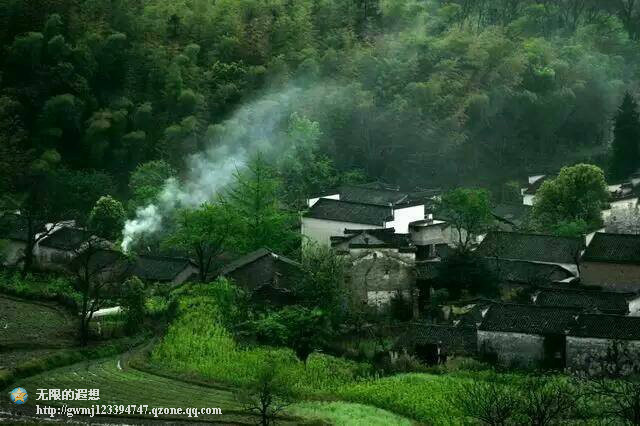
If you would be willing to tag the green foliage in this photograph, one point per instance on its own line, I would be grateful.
(198, 341)
(147, 181)
(205, 233)
(302, 329)
(322, 282)
(626, 139)
(253, 201)
(347, 414)
(469, 211)
(40, 287)
(576, 195)
(576, 228)
(107, 218)
(133, 304)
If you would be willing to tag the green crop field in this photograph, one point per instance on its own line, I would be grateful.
(30, 325)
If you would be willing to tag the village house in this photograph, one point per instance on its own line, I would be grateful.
(266, 275)
(533, 184)
(359, 207)
(524, 273)
(588, 299)
(525, 335)
(511, 217)
(58, 248)
(546, 249)
(381, 265)
(162, 269)
(595, 339)
(612, 261)
(433, 344)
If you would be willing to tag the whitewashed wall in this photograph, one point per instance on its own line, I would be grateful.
(321, 230)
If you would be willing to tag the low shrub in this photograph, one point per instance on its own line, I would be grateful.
(47, 287)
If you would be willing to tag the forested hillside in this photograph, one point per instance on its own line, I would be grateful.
(414, 92)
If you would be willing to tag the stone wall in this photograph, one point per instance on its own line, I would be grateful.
(613, 276)
(588, 353)
(512, 349)
(375, 275)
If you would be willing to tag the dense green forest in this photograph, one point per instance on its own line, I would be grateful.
(415, 92)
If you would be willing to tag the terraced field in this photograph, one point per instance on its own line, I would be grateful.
(31, 325)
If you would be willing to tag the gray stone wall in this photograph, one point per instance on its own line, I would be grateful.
(617, 277)
(585, 353)
(512, 349)
(380, 270)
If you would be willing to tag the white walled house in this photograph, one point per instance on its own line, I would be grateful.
(329, 218)
(529, 193)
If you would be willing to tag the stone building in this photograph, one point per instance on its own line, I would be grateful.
(612, 261)
(371, 206)
(59, 247)
(163, 269)
(598, 340)
(432, 343)
(381, 265)
(265, 275)
(525, 335)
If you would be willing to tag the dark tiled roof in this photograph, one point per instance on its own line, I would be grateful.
(528, 319)
(66, 238)
(347, 211)
(607, 327)
(381, 196)
(455, 339)
(511, 213)
(252, 257)
(386, 237)
(532, 247)
(158, 268)
(614, 248)
(525, 272)
(604, 301)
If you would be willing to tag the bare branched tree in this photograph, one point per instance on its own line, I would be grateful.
(490, 402)
(545, 401)
(267, 396)
(613, 378)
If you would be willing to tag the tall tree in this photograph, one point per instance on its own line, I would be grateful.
(468, 211)
(205, 233)
(254, 200)
(626, 138)
(577, 194)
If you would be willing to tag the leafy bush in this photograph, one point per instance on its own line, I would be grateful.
(133, 305)
(199, 342)
(40, 287)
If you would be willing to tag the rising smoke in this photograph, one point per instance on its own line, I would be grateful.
(253, 128)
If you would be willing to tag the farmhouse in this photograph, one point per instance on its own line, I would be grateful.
(533, 184)
(373, 206)
(59, 247)
(589, 300)
(546, 249)
(524, 273)
(612, 261)
(596, 338)
(433, 343)
(266, 275)
(511, 216)
(162, 269)
(525, 335)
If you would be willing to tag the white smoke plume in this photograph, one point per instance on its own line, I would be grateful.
(254, 127)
